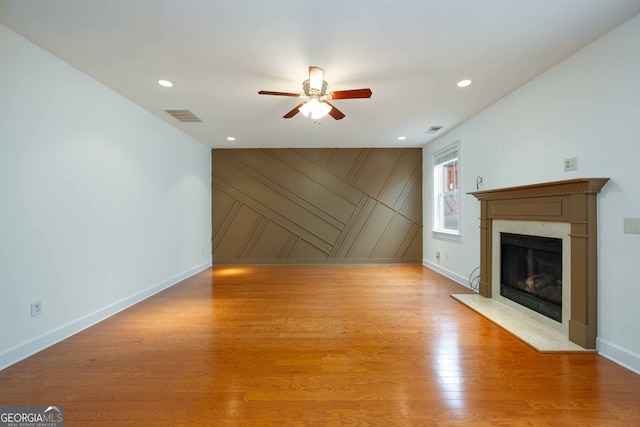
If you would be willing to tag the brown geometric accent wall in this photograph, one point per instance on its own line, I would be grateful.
(323, 206)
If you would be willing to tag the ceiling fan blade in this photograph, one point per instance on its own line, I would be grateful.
(350, 94)
(316, 77)
(334, 112)
(293, 112)
(268, 92)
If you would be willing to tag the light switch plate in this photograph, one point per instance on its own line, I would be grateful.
(632, 225)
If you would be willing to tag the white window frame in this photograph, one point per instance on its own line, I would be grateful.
(441, 159)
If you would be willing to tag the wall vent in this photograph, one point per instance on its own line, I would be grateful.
(185, 116)
(434, 129)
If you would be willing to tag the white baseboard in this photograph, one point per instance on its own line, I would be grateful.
(29, 348)
(619, 355)
(464, 281)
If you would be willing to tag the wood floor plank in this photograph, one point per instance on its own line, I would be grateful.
(346, 345)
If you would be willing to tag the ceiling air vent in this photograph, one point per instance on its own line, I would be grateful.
(434, 129)
(184, 116)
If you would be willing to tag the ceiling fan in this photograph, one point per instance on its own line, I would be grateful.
(316, 98)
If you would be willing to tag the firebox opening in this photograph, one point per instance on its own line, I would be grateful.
(531, 272)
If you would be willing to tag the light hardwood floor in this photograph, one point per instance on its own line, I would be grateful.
(375, 345)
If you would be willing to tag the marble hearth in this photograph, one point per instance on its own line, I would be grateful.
(563, 209)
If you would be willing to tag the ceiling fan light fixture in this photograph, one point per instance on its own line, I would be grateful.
(315, 109)
(322, 110)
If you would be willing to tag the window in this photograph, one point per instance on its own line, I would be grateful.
(446, 195)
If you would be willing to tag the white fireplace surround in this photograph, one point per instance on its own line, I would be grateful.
(557, 230)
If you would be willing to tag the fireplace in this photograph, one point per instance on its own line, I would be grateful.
(531, 272)
(570, 203)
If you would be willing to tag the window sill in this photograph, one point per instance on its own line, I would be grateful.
(446, 236)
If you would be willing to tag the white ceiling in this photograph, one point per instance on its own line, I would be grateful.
(220, 53)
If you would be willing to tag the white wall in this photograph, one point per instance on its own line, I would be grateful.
(588, 107)
(102, 203)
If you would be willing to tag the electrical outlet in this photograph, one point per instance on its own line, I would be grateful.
(36, 308)
(571, 164)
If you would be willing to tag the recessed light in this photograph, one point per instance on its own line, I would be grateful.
(165, 83)
(231, 138)
(464, 83)
(402, 138)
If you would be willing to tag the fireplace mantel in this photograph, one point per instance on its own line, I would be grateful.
(572, 201)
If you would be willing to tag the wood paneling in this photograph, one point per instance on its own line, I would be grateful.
(330, 345)
(286, 206)
(533, 209)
